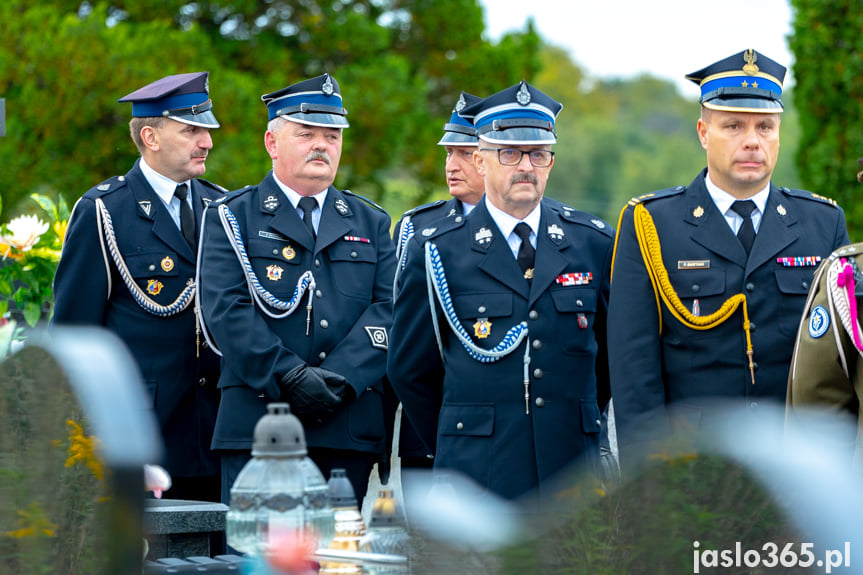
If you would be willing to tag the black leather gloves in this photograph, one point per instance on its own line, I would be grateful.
(315, 391)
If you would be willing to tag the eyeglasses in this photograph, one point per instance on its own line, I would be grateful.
(512, 157)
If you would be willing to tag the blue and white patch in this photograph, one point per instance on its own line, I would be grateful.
(378, 335)
(819, 322)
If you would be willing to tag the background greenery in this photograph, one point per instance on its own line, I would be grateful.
(401, 65)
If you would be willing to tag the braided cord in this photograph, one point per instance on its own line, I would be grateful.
(511, 340)
(183, 300)
(651, 251)
(265, 299)
(406, 232)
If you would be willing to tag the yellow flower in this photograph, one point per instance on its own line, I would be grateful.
(82, 449)
(24, 232)
(60, 230)
(33, 522)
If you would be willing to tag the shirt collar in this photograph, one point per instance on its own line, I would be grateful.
(723, 199)
(162, 185)
(506, 223)
(294, 196)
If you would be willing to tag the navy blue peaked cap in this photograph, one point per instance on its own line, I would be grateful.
(181, 97)
(520, 115)
(459, 131)
(745, 82)
(316, 102)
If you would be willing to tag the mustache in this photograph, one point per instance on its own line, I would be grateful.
(318, 155)
(524, 178)
(200, 154)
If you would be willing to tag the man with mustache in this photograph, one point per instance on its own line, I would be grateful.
(128, 264)
(296, 294)
(710, 279)
(498, 341)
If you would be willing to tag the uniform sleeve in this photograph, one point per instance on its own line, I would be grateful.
(634, 349)
(841, 236)
(414, 364)
(250, 350)
(81, 282)
(603, 385)
(355, 356)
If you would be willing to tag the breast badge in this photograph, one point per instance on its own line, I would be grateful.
(289, 253)
(154, 287)
(698, 212)
(274, 273)
(167, 263)
(482, 328)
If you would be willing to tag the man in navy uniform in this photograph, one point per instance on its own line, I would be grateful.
(296, 293)
(128, 264)
(504, 374)
(466, 188)
(710, 279)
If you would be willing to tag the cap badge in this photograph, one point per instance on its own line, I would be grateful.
(167, 263)
(271, 203)
(523, 95)
(482, 328)
(342, 207)
(750, 57)
(483, 236)
(207, 84)
(460, 105)
(781, 209)
(289, 253)
(145, 207)
(327, 87)
(555, 232)
(154, 287)
(698, 212)
(274, 273)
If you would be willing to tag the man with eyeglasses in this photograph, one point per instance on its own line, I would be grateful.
(498, 342)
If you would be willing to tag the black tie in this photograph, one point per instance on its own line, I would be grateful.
(746, 233)
(187, 220)
(526, 252)
(308, 205)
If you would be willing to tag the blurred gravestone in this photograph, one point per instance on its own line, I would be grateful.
(74, 435)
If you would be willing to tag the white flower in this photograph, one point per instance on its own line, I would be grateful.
(24, 232)
(156, 479)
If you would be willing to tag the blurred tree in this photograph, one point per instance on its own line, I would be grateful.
(828, 71)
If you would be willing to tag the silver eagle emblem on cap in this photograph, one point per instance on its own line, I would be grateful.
(523, 95)
(327, 86)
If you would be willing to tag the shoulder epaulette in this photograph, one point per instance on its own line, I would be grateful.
(231, 195)
(806, 195)
(110, 185)
(424, 207)
(850, 250)
(583, 218)
(656, 195)
(365, 199)
(210, 184)
(437, 228)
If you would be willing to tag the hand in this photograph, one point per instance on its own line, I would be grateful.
(313, 391)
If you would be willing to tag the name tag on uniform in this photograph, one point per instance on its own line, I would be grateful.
(693, 264)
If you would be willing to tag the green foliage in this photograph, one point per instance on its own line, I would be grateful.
(828, 71)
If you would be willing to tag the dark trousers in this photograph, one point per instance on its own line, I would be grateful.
(195, 488)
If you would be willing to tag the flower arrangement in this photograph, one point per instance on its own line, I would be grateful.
(29, 252)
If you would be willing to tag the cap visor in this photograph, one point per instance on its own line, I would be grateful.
(323, 120)
(520, 136)
(754, 105)
(204, 119)
(456, 139)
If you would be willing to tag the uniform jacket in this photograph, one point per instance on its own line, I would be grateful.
(826, 374)
(88, 290)
(353, 261)
(473, 414)
(410, 445)
(706, 265)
